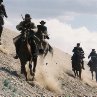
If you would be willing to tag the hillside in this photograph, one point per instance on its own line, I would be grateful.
(53, 75)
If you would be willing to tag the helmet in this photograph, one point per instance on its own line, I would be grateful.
(42, 22)
(27, 16)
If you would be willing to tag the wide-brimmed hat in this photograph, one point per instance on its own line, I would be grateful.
(27, 16)
(93, 49)
(42, 22)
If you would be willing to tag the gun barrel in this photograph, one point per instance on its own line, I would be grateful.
(22, 16)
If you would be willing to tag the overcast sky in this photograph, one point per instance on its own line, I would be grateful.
(68, 21)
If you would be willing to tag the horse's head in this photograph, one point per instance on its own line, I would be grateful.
(25, 35)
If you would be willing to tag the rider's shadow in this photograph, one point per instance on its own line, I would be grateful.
(7, 70)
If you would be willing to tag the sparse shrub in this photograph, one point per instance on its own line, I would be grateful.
(6, 82)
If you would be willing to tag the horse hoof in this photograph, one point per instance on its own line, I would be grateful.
(15, 57)
(33, 79)
(32, 73)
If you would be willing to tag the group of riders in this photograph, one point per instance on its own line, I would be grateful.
(78, 56)
(26, 24)
(78, 61)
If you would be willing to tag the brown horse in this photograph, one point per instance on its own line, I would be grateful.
(77, 65)
(26, 53)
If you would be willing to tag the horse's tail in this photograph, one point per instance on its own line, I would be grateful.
(50, 49)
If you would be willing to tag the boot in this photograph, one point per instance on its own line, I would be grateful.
(83, 66)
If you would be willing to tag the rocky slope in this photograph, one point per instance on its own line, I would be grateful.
(53, 75)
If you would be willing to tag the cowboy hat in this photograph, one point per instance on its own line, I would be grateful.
(42, 22)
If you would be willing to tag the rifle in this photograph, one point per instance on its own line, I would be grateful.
(22, 17)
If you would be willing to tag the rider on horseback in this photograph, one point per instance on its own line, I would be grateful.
(43, 31)
(24, 25)
(2, 14)
(93, 55)
(93, 62)
(78, 51)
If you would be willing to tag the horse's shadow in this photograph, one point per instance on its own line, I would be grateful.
(7, 70)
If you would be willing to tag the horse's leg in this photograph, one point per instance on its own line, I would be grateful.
(1, 29)
(75, 73)
(45, 53)
(30, 66)
(35, 63)
(50, 49)
(96, 75)
(23, 70)
(46, 47)
(80, 74)
(92, 74)
(22, 67)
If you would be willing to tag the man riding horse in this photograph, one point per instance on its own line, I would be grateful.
(42, 33)
(25, 25)
(26, 47)
(93, 56)
(78, 53)
(2, 14)
(93, 62)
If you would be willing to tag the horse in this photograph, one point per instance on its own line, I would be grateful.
(25, 53)
(93, 66)
(77, 62)
(45, 45)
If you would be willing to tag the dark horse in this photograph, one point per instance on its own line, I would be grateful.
(46, 46)
(25, 52)
(77, 62)
(93, 66)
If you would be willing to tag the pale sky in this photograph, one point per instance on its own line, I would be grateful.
(68, 21)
